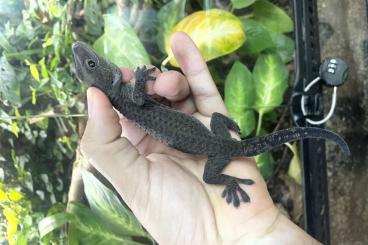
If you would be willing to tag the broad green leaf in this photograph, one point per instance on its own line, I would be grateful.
(238, 4)
(105, 204)
(239, 97)
(265, 163)
(9, 84)
(50, 223)
(258, 37)
(284, 46)
(216, 33)
(270, 78)
(120, 44)
(93, 18)
(168, 16)
(92, 229)
(272, 17)
(294, 170)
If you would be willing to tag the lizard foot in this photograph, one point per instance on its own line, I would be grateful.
(143, 74)
(233, 192)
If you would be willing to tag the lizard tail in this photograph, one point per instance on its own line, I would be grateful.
(257, 145)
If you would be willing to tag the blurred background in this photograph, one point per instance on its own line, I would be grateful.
(50, 195)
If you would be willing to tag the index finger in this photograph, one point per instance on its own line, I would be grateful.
(206, 96)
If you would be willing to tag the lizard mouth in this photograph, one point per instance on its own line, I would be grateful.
(77, 49)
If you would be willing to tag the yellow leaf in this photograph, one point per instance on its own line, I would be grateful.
(34, 72)
(295, 165)
(14, 195)
(216, 33)
(16, 112)
(47, 43)
(15, 129)
(3, 196)
(33, 95)
(12, 224)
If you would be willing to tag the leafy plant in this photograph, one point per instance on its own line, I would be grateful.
(105, 221)
(42, 100)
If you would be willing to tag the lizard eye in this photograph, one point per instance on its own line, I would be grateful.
(91, 64)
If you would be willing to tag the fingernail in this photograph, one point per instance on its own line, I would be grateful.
(90, 103)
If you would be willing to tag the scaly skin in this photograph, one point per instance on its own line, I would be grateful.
(182, 131)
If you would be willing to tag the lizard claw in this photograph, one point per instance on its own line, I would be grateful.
(233, 193)
(143, 74)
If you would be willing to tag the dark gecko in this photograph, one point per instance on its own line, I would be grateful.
(183, 131)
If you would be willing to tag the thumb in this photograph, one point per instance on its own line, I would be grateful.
(103, 120)
(101, 143)
(113, 156)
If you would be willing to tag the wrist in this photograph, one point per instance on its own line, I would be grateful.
(272, 227)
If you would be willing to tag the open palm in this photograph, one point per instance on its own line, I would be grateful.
(163, 186)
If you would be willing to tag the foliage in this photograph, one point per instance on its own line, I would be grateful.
(124, 49)
(107, 221)
(227, 37)
(36, 79)
(247, 53)
(239, 97)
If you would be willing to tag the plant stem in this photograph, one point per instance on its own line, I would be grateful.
(248, 16)
(259, 124)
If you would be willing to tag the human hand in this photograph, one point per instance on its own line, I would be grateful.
(164, 187)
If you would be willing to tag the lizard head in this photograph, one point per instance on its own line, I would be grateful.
(94, 69)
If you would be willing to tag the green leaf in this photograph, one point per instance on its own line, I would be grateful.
(4, 43)
(105, 204)
(9, 84)
(168, 16)
(50, 223)
(284, 46)
(238, 4)
(258, 37)
(93, 18)
(272, 17)
(239, 97)
(120, 44)
(215, 32)
(270, 78)
(265, 163)
(92, 229)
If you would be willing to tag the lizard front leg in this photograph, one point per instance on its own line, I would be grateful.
(141, 76)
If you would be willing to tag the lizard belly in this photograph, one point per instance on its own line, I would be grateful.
(173, 128)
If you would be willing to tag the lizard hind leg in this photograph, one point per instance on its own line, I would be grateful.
(220, 125)
(141, 76)
(232, 193)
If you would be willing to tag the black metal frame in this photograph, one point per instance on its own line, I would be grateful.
(307, 61)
